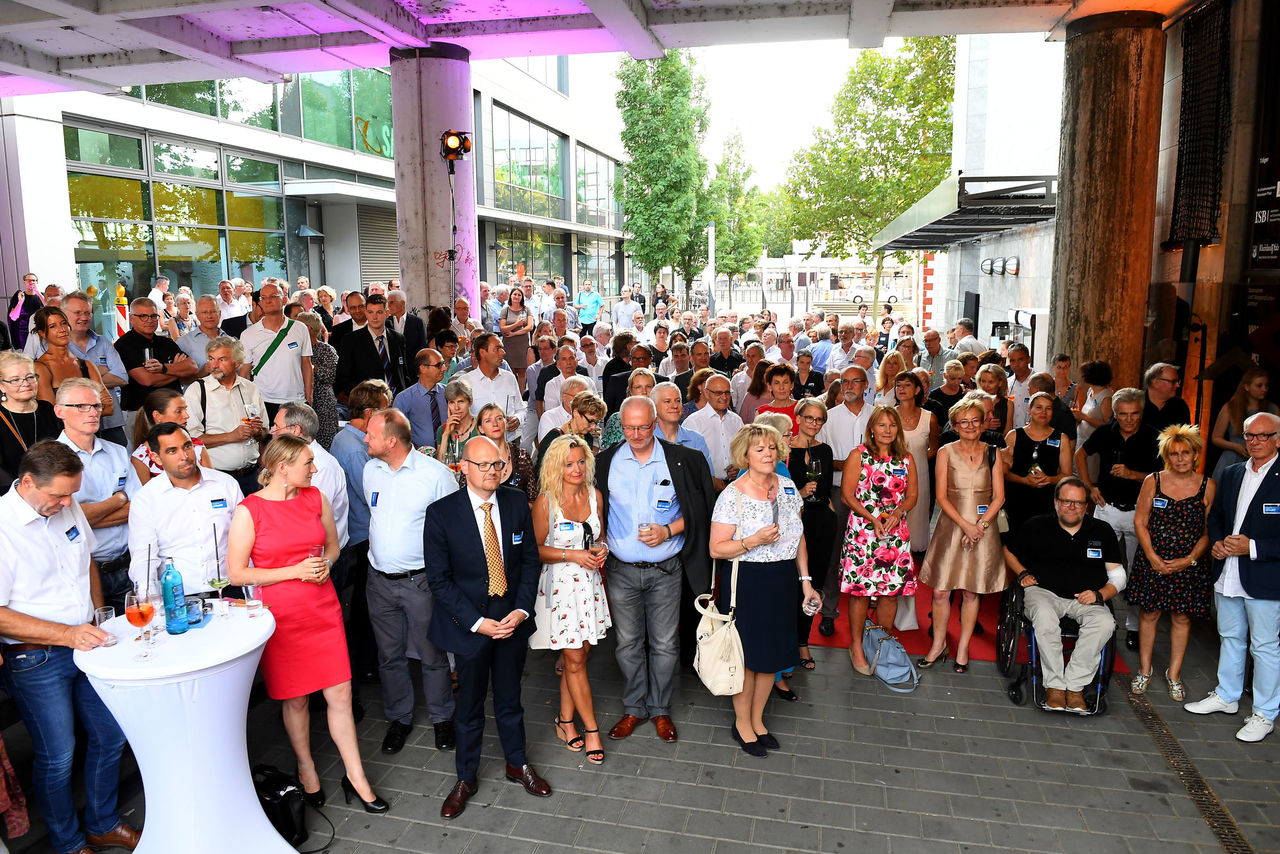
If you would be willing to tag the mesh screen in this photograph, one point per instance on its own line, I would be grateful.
(1205, 123)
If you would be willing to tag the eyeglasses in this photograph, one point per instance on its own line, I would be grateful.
(717, 393)
(591, 422)
(433, 365)
(968, 422)
(1071, 502)
(1170, 380)
(811, 419)
(637, 430)
(496, 465)
(29, 379)
(1259, 437)
(84, 408)
(147, 316)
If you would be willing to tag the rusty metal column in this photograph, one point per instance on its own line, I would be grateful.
(1111, 94)
(430, 94)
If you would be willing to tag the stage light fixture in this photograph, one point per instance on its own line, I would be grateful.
(455, 144)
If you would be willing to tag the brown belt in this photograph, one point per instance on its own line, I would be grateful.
(27, 647)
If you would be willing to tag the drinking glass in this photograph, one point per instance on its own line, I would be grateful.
(252, 604)
(814, 474)
(213, 574)
(138, 610)
(100, 617)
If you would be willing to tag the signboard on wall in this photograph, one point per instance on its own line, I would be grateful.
(1264, 239)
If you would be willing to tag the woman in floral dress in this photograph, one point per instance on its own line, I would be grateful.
(876, 557)
(571, 611)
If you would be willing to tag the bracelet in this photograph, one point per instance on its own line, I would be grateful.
(669, 534)
(806, 578)
(563, 556)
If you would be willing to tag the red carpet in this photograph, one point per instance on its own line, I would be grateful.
(918, 642)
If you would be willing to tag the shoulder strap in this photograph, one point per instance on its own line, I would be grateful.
(204, 407)
(991, 455)
(84, 369)
(275, 343)
(13, 430)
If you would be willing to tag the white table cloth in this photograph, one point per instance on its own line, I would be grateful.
(184, 715)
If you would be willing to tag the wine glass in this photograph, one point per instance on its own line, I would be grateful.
(138, 610)
(814, 473)
(213, 574)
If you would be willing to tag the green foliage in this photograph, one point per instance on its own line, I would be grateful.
(692, 257)
(738, 235)
(773, 213)
(888, 145)
(664, 115)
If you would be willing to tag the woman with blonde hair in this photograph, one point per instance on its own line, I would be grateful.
(639, 384)
(271, 544)
(909, 349)
(771, 558)
(459, 426)
(696, 399)
(24, 418)
(993, 380)
(892, 365)
(1249, 399)
(572, 612)
(1171, 571)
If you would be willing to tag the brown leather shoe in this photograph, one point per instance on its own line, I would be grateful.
(1075, 702)
(527, 777)
(120, 836)
(1055, 699)
(626, 726)
(666, 729)
(457, 799)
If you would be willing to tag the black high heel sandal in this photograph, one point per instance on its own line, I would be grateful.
(925, 664)
(595, 757)
(572, 744)
(376, 806)
(315, 799)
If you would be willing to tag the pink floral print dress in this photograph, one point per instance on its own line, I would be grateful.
(870, 566)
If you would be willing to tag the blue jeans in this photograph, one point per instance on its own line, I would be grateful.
(645, 605)
(1259, 621)
(52, 694)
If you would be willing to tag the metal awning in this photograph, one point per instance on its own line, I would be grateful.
(965, 208)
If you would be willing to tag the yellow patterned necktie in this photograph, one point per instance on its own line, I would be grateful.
(493, 554)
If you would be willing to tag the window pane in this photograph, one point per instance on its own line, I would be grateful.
(184, 203)
(372, 96)
(520, 151)
(111, 254)
(320, 172)
(185, 160)
(200, 96)
(249, 102)
(291, 107)
(298, 248)
(326, 107)
(107, 197)
(191, 257)
(256, 254)
(263, 174)
(249, 211)
(105, 149)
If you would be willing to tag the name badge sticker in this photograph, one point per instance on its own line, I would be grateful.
(293, 345)
(121, 481)
(73, 534)
(1053, 443)
(102, 360)
(517, 539)
(1271, 509)
(1160, 503)
(1096, 554)
(218, 504)
(663, 504)
(982, 509)
(373, 502)
(565, 526)
(788, 490)
(900, 472)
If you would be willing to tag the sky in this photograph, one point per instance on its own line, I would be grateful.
(776, 112)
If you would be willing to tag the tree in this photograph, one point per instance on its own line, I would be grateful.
(773, 213)
(692, 257)
(889, 144)
(738, 240)
(664, 115)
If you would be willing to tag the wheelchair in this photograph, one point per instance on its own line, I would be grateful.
(1029, 681)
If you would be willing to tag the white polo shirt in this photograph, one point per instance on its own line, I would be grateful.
(397, 503)
(718, 432)
(844, 431)
(280, 380)
(183, 524)
(45, 573)
(107, 470)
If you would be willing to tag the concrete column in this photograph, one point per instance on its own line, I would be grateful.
(1111, 93)
(430, 94)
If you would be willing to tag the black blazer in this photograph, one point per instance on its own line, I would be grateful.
(682, 382)
(340, 331)
(458, 573)
(615, 389)
(358, 361)
(1260, 578)
(415, 337)
(692, 481)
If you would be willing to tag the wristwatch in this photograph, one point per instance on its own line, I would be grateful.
(984, 523)
(1194, 563)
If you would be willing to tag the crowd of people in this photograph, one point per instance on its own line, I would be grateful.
(542, 470)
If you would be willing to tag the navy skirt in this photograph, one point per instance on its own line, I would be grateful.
(768, 597)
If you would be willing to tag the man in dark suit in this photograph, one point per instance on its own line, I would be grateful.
(615, 387)
(699, 358)
(355, 308)
(372, 353)
(658, 500)
(483, 570)
(1244, 528)
(620, 346)
(408, 325)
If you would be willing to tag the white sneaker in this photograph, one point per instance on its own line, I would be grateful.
(1213, 703)
(1255, 728)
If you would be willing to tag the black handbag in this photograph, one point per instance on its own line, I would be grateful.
(281, 799)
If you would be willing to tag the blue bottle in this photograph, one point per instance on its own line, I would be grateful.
(175, 601)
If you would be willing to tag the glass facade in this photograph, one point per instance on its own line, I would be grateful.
(597, 260)
(524, 251)
(597, 200)
(526, 158)
(550, 71)
(195, 213)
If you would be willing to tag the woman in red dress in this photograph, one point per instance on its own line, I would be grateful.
(276, 528)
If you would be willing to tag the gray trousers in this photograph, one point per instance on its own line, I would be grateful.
(645, 604)
(831, 588)
(1097, 625)
(1121, 521)
(400, 612)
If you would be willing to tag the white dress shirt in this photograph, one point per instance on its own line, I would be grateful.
(718, 432)
(107, 470)
(223, 409)
(552, 419)
(331, 480)
(1021, 399)
(841, 358)
(844, 431)
(238, 307)
(183, 524)
(1228, 583)
(498, 390)
(478, 515)
(397, 503)
(45, 573)
(738, 388)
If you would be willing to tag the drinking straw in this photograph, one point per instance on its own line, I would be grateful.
(217, 565)
(147, 589)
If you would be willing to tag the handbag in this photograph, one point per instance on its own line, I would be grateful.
(889, 661)
(281, 799)
(718, 658)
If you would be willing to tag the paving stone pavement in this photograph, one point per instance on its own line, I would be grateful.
(953, 767)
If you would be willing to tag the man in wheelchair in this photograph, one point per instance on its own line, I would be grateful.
(1069, 564)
